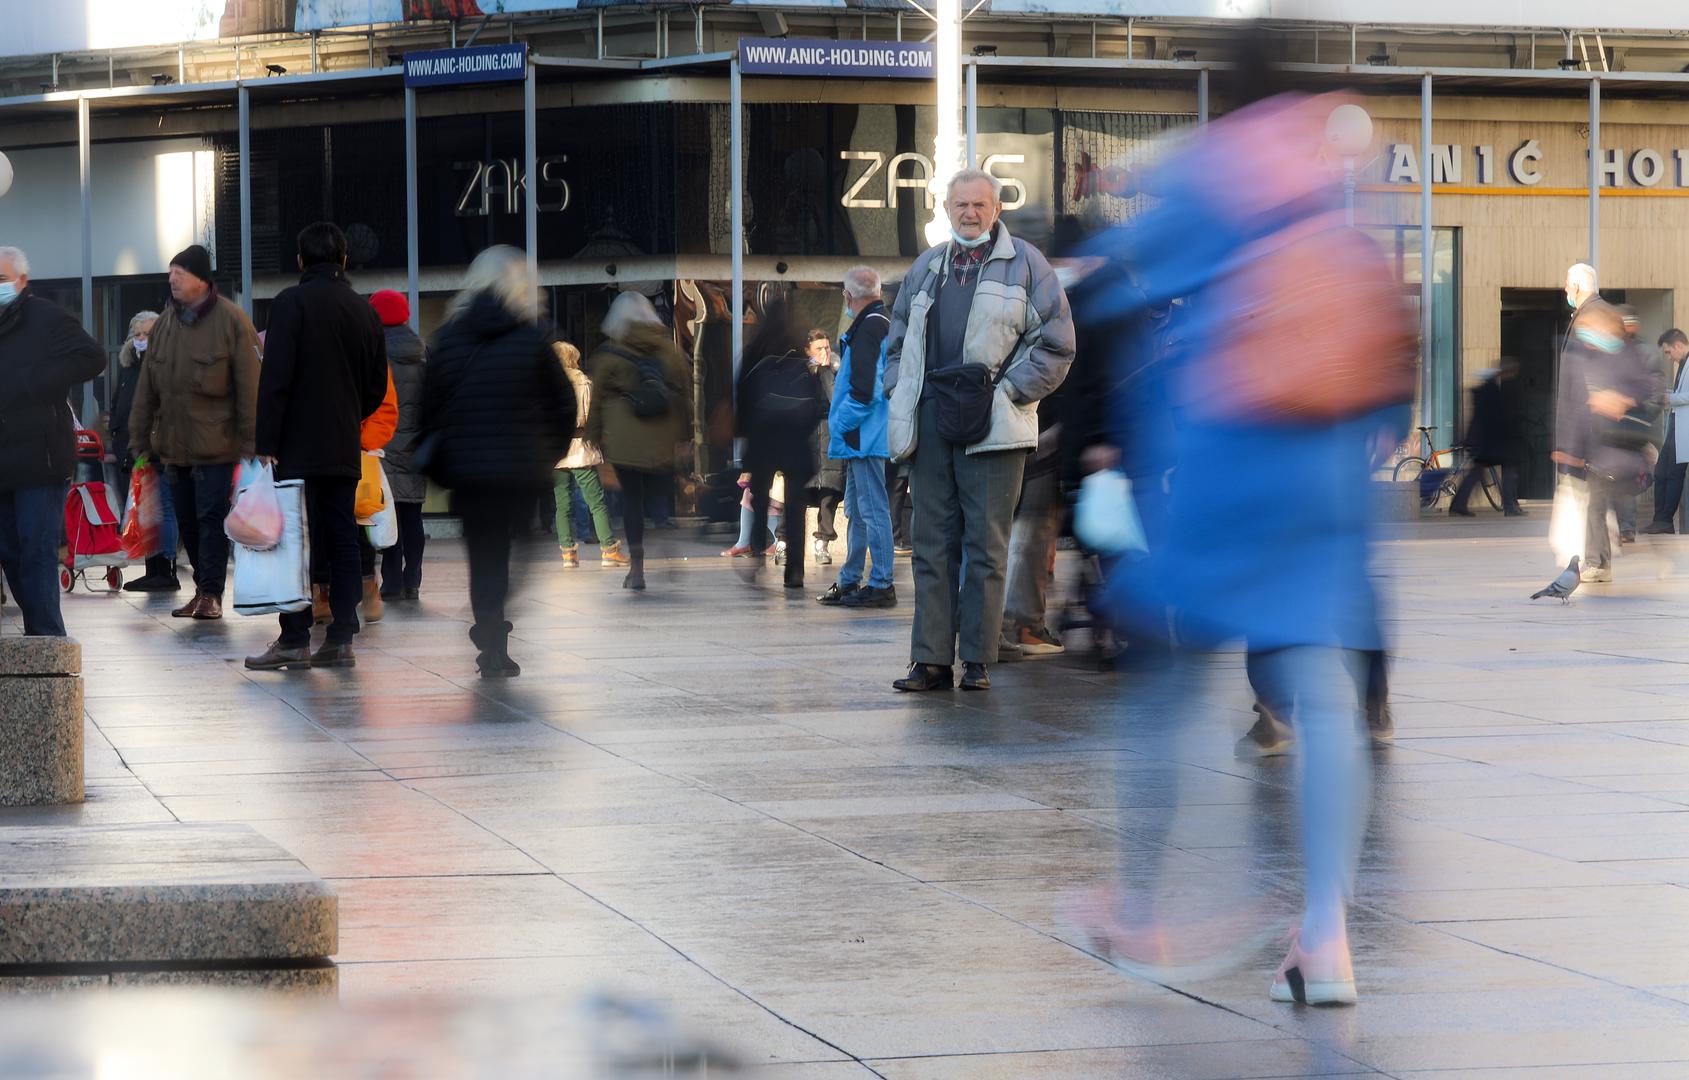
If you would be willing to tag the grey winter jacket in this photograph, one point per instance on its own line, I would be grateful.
(407, 359)
(1019, 319)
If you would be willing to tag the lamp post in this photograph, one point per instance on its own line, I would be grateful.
(5, 174)
(1348, 132)
(947, 139)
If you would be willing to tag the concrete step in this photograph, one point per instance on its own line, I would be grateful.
(160, 902)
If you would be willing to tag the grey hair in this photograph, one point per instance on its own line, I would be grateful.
(501, 271)
(862, 282)
(139, 318)
(969, 176)
(627, 310)
(1583, 276)
(19, 261)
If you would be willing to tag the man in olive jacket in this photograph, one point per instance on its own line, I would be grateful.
(196, 412)
(43, 354)
(325, 370)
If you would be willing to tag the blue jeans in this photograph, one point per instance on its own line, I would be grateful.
(32, 520)
(202, 495)
(868, 506)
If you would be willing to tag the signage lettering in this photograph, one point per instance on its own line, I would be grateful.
(1645, 167)
(502, 181)
(920, 179)
(838, 59)
(452, 67)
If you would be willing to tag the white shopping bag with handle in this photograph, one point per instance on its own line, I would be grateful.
(277, 579)
(1567, 521)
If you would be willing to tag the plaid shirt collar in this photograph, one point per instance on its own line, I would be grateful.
(965, 263)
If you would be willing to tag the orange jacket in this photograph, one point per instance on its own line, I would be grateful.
(378, 427)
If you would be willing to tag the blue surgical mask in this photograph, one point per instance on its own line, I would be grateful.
(978, 241)
(1595, 339)
(8, 293)
(140, 345)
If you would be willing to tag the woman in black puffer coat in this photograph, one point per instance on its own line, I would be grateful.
(498, 413)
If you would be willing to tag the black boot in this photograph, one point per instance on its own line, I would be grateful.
(636, 569)
(494, 661)
(160, 577)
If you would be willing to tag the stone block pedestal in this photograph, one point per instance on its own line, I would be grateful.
(40, 721)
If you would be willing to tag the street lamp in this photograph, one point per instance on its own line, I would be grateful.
(1348, 132)
(5, 174)
(947, 139)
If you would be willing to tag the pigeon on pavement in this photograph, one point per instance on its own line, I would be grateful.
(1564, 585)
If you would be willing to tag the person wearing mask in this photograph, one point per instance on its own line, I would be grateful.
(497, 413)
(1572, 426)
(579, 472)
(325, 372)
(1674, 455)
(779, 401)
(44, 354)
(826, 487)
(160, 575)
(1493, 440)
(985, 300)
(642, 383)
(196, 413)
(401, 564)
(857, 423)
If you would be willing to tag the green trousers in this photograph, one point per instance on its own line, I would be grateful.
(592, 490)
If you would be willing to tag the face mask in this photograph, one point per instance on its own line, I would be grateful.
(140, 345)
(1573, 304)
(1595, 339)
(8, 293)
(978, 241)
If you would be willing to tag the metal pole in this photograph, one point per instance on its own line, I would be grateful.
(1427, 374)
(600, 33)
(85, 163)
(1128, 39)
(244, 99)
(736, 203)
(1595, 173)
(1202, 96)
(181, 64)
(971, 112)
(531, 140)
(412, 256)
(314, 49)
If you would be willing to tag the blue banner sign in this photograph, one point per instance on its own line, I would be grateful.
(838, 59)
(455, 67)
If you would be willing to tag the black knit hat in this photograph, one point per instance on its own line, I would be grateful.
(196, 261)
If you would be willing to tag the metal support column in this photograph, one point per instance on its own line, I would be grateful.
(85, 164)
(1202, 96)
(412, 255)
(1595, 173)
(1427, 373)
(244, 99)
(736, 203)
(970, 113)
(531, 155)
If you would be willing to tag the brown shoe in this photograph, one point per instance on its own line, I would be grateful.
(372, 604)
(210, 607)
(188, 610)
(320, 611)
(332, 655)
(278, 657)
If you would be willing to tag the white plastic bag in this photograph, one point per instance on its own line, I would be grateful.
(383, 526)
(1567, 521)
(255, 519)
(278, 579)
(1106, 518)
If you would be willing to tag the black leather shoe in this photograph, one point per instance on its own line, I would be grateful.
(836, 595)
(924, 677)
(870, 597)
(413, 594)
(1463, 512)
(332, 655)
(975, 678)
(279, 656)
(1653, 528)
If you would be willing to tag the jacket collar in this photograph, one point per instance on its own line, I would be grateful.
(191, 315)
(13, 312)
(877, 307)
(323, 271)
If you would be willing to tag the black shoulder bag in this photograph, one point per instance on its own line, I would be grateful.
(961, 393)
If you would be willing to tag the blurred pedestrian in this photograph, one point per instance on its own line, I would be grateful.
(325, 373)
(902, 508)
(44, 353)
(742, 547)
(857, 426)
(578, 471)
(826, 487)
(160, 574)
(196, 412)
(966, 366)
(642, 383)
(1494, 439)
(1674, 455)
(779, 401)
(401, 564)
(497, 413)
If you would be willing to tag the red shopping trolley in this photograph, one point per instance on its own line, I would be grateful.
(92, 527)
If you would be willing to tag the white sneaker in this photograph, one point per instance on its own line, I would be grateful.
(823, 557)
(1597, 573)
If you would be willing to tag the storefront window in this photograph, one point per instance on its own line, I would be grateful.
(1401, 244)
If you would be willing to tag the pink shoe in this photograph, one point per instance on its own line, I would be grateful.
(1324, 977)
(1161, 952)
(737, 551)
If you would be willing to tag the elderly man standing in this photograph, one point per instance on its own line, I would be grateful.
(980, 333)
(196, 411)
(43, 354)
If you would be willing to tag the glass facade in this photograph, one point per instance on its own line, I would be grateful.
(1440, 408)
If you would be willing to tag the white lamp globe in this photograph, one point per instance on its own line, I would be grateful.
(1348, 131)
(5, 174)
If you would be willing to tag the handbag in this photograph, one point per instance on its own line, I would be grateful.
(277, 580)
(962, 398)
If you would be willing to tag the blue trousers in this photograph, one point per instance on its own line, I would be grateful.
(31, 522)
(868, 506)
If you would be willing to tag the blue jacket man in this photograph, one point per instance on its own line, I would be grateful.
(857, 436)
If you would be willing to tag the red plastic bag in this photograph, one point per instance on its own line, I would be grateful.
(142, 523)
(255, 520)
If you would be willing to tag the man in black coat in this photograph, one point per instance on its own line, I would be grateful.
(43, 354)
(325, 370)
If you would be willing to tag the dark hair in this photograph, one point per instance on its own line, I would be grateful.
(322, 242)
(816, 335)
(1674, 336)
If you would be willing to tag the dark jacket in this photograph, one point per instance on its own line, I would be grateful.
(495, 392)
(44, 352)
(122, 400)
(325, 369)
(627, 440)
(829, 471)
(407, 359)
(1493, 434)
(769, 438)
(1583, 433)
(197, 399)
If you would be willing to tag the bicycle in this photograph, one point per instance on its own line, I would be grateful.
(1439, 473)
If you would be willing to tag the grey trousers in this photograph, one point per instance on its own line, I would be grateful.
(1032, 551)
(964, 507)
(1598, 542)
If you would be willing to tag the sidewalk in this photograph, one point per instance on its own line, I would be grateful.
(708, 795)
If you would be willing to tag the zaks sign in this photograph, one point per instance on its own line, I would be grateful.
(456, 67)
